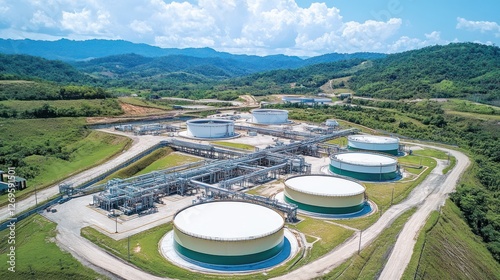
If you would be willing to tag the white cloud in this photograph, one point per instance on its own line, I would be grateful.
(86, 21)
(481, 26)
(41, 18)
(239, 26)
(406, 43)
(140, 27)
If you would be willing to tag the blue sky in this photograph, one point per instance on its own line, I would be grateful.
(262, 27)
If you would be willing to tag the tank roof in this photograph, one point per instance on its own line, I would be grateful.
(367, 159)
(269, 110)
(195, 121)
(373, 139)
(228, 221)
(324, 185)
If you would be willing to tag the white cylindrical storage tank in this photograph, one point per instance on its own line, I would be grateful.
(364, 166)
(228, 233)
(269, 116)
(331, 122)
(325, 194)
(210, 128)
(373, 143)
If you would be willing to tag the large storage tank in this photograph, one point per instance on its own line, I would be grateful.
(364, 166)
(373, 143)
(269, 116)
(210, 128)
(228, 233)
(325, 194)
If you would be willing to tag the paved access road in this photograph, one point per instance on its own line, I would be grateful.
(403, 249)
(428, 196)
(139, 144)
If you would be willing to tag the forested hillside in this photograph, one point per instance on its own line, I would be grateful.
(16, 67)
(465, 70)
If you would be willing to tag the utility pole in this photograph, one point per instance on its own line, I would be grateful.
(359, 247)
(392, 196)
(36, 197)
(116, 222)
(128, 243)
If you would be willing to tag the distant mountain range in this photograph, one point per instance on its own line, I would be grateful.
(229, 64)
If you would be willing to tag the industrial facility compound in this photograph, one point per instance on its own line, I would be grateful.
(225, 228)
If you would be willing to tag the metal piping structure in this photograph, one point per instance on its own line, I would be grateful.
(138, 194)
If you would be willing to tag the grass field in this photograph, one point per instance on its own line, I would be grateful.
(234, 145)
(37, 255)
(447, 249)
(369, 263)
(456, 105)
(84, 148)
(149, 259)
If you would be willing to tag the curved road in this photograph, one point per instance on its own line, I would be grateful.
(403, 249)
(139, 144)
(428, 196)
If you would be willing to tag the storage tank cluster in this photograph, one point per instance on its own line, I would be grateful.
(364, 166)
(325, 194)
(383, 144)
(269, 116)
(228, 233)
(210, 128)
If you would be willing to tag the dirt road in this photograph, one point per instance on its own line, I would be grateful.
(431, 193)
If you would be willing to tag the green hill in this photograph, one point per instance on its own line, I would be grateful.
(31, 67)
(465, 70)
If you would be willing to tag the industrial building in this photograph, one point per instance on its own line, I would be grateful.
(269, 116)
(228, 233)
(382, 144)
(16, 182)
(306, 100)
(325, 194)
(364, 166)
(331, 123)
(210, 128)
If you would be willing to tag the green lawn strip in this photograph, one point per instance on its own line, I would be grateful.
(419, 245)
(474, 115)
(168, 161)
(370, 262)
(453, 162)
(93, 150)
(145, 254)
(439, 155)
(341, 141)
(234, 145)
(143, 103)
(37, 255)
(427, 152)
(448, 249)
(330, 236)
(139, 165)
